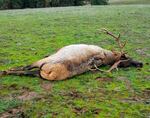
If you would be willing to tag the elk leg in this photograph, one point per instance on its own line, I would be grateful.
(29, 67)
(99, 68)
(34, 73)
(23, 68)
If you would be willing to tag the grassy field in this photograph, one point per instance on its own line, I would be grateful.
(30, 34)
(128, 2)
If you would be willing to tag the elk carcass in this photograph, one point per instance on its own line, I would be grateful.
(76, 59)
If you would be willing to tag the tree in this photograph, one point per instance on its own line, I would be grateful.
(5, 4)
(99, 2)
(17, 4)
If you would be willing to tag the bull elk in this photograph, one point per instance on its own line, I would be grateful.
(76, 59)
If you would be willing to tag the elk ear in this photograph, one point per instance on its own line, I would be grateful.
(124, 56)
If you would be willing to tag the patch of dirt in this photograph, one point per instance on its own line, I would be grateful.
(17, 92)
(102, 90)
(13, 87)
(103, 79)
(79, 111)
(74, 94)
(24, 88)
(54, 115)
(2, 86)
(131, 100)
(146, 93)
(135, 97)
(46, 86)
(144, 97)
(40, 114)
(127, 83)
(96, 111)
(28, 96)
(82, 110)
(142, 52)
(13, 113)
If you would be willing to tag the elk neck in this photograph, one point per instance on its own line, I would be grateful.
(111, 57)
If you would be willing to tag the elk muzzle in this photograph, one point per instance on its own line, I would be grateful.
(131, 63)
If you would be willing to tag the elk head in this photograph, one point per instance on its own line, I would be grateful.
(122, 59)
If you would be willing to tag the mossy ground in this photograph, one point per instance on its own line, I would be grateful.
(30, 34)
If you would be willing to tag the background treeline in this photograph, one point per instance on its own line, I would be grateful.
(20, 4)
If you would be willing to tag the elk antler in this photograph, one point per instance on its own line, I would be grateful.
(115, 65)
(121, 46)
(117, 39)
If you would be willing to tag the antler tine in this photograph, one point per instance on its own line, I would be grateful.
(117, 39)
(111, 34)
(119, 36)
(124, 44)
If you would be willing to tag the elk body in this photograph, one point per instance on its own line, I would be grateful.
(73, 60)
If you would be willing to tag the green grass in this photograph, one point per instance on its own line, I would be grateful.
(129, 2)
(30, 34)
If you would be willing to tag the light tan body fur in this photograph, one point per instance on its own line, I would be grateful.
(73, 60)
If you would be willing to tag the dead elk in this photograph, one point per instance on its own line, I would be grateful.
(76, 59)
